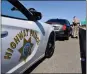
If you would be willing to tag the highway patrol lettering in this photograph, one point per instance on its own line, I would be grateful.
(20, 36)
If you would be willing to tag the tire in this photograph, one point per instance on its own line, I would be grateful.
(67, 38)
(50, 46)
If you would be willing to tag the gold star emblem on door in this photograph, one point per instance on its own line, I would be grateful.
(25, 50)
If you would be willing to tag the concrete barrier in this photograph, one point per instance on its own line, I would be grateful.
(82, 41)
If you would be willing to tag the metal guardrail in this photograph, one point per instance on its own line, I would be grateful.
(82, 41)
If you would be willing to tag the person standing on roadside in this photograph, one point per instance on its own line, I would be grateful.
(76, 24)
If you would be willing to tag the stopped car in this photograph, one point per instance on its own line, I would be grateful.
(61, 27)
(24, 40)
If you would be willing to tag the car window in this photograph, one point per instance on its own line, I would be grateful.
(56, 21)
(62, 22)
(6, 10)
(68, 23)
(52, 21)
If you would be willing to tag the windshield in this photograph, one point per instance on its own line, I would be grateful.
(62, 22)
(6, 10)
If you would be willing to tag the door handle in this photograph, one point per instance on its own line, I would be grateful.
(4, 34)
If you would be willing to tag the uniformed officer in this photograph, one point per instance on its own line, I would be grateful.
(75, 27)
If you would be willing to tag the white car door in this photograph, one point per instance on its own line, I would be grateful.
(21, 40)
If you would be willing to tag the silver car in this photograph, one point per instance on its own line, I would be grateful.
(24, 39)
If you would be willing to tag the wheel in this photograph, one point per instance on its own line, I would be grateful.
(67, 38)
(50, 46)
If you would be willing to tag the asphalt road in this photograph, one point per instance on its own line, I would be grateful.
(66, 59)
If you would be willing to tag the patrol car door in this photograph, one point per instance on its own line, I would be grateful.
(20, 38)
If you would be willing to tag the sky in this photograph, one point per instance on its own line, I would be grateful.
(58, 9)
(51, 9)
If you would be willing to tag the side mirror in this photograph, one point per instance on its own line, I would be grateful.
(36, 15)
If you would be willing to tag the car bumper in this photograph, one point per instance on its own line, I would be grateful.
(61, 34)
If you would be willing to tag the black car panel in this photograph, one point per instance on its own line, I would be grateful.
(64, 24)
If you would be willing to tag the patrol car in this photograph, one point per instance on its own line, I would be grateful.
(24, 39)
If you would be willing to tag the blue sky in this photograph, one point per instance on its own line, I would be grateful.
(58, 9)
(51, 9)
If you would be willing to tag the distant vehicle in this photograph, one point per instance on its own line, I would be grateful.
(61, 27)
(24, 39)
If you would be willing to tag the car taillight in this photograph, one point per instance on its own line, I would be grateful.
(64, 27)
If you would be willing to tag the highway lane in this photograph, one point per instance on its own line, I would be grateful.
(66, 59)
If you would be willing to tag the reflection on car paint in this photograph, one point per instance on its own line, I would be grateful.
(40, 27)
(4, 34)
